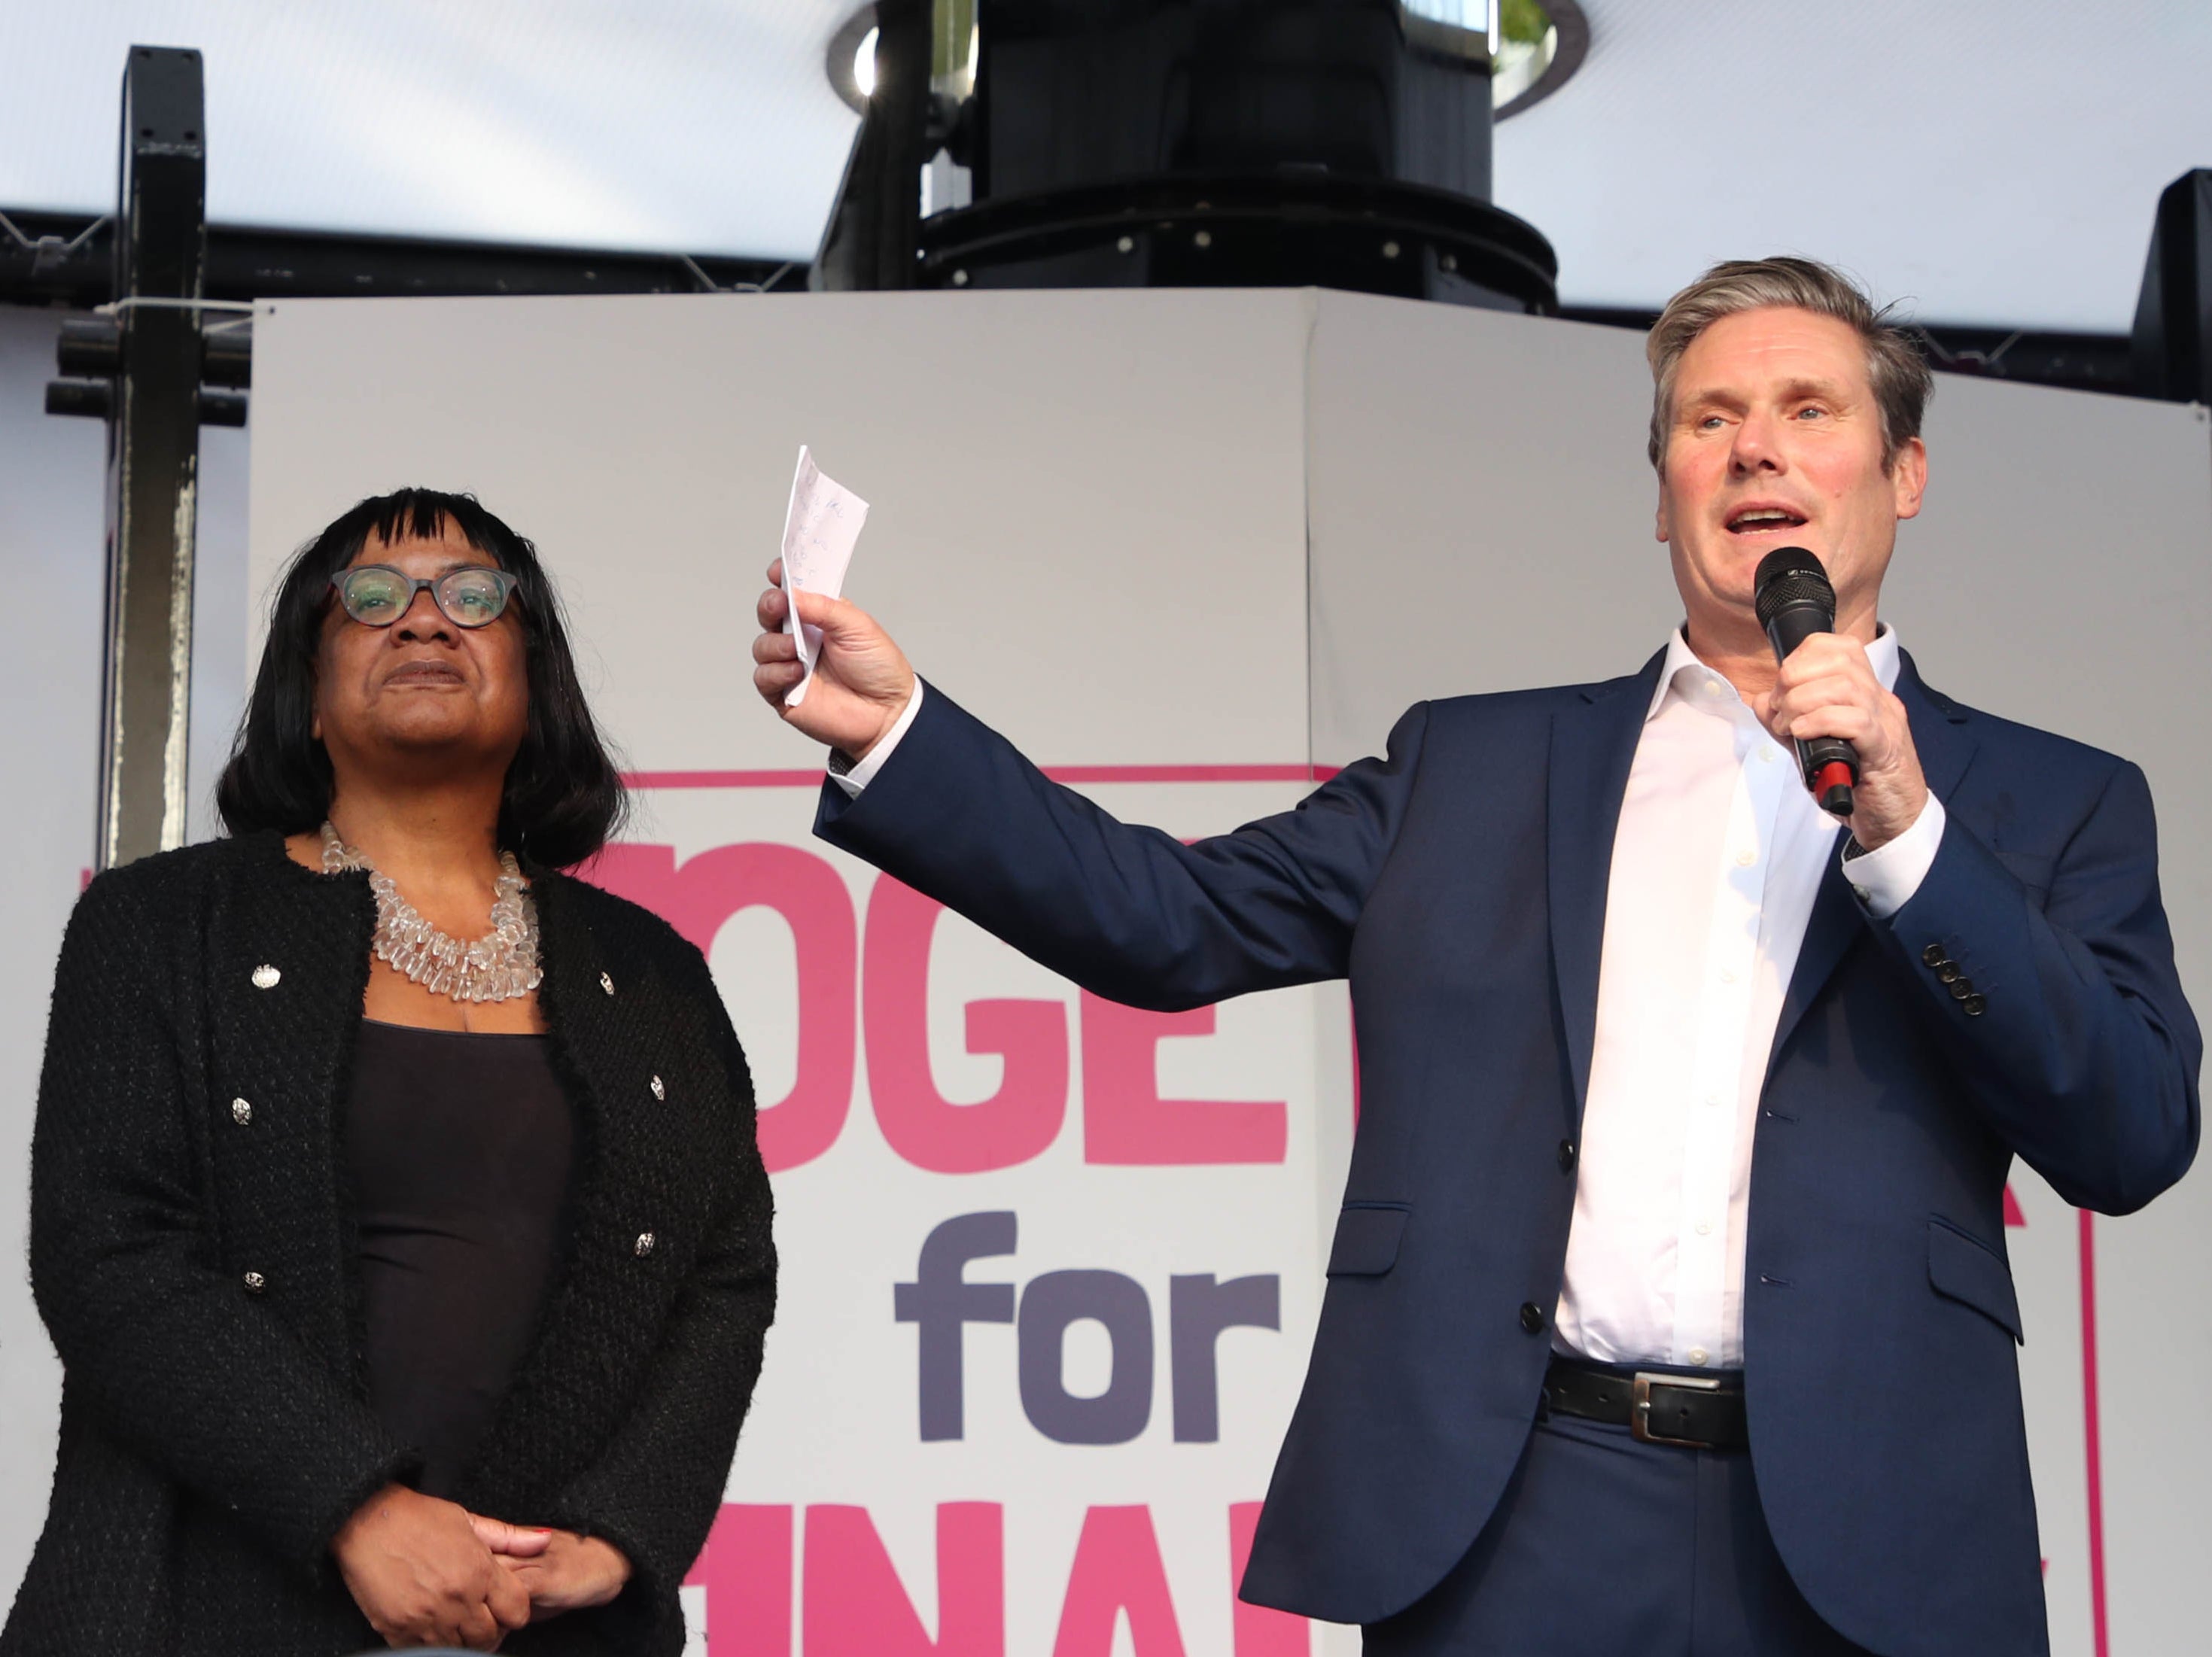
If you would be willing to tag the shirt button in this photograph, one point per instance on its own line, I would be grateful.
(1712, 1101)
(643, 1246)
(266, 977)
(1861, 894)
(1727, 976)
(1696, 1355)
(1744, 860)
(606, 984)
(659, 1091)
(1704, 1229)
(1532, 1317)
(1766, 754)
(241, 1112)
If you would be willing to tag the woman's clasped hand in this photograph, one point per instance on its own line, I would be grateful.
(427, 1572)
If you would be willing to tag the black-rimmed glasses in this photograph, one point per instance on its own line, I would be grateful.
(377, 595)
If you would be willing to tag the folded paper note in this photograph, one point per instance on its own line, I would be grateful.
(819, 532)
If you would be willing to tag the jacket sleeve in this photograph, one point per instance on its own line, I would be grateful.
(1130, 913)
(2072, 1035)
(655, 1491)
(175, 1356)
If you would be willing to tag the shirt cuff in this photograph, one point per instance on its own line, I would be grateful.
(857, 775)
(1886, 879)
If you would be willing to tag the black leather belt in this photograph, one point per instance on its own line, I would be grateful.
(1701, 1412)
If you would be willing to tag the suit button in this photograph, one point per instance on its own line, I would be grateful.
(1972, 1006)
(241, 1112)
(1567, 1156)
(255, 1283)
(1961, 988)
(1532, 1317)
(1933, 955)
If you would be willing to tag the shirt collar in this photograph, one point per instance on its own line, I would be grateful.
(1881, 656)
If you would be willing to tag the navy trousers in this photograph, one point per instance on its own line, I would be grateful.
(1603, 1546)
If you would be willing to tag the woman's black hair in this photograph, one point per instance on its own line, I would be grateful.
(564, 797)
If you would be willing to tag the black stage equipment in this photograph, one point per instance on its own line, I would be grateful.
(1132, 143)
(2172, 345)
(141, 367)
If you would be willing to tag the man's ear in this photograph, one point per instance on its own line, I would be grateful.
(1660, 528)
(1908, 476)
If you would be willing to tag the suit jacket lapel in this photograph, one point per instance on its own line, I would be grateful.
(1593, 745)
(1946, 748)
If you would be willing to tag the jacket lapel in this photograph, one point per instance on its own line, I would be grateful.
(1593, 745)
(1946, 748)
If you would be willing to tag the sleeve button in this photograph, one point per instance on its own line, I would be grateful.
(1972, 1006)
(1932, 955)
(1961, 988)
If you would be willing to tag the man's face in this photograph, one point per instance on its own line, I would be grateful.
(1775, 441)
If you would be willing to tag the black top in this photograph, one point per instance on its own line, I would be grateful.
(460, 1147)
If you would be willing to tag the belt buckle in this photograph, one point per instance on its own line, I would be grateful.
(1639, 1413)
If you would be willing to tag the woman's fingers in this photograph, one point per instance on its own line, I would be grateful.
(522, 1541)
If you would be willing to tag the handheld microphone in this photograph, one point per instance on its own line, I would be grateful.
(1791, 595)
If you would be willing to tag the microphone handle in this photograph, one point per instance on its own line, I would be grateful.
(1830, 765)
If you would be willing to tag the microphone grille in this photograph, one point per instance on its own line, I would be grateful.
(1788, 576)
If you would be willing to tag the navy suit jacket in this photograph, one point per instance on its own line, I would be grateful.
(1459, 882)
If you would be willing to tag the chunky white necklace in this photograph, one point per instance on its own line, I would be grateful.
(497, 967)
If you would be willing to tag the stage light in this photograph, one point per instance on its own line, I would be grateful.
(864, 63)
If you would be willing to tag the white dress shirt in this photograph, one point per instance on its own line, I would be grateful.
(1719, 852)
(1715, 862)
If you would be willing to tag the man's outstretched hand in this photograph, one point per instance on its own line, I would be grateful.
(861, 681)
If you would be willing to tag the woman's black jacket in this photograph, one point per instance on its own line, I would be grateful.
(190, 1255)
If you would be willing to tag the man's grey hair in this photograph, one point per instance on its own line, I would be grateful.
(1902, 384)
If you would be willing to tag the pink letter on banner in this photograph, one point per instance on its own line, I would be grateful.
(745, 1569)
(857, 1607)
(921, 1125)
(699, 895)
(1126, 1122)
(1117, 1568)
(1260, 1630)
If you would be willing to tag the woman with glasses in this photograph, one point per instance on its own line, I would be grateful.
(396, 1208)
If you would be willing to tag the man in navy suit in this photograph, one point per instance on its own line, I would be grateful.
(1582, 1384)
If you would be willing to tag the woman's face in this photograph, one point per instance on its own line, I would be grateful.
(422, 698)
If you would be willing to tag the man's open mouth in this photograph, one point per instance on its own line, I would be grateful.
(1760, 520)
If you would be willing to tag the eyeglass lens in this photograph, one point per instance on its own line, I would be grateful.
(377, 596)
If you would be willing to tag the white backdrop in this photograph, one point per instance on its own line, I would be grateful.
(1183, 546)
